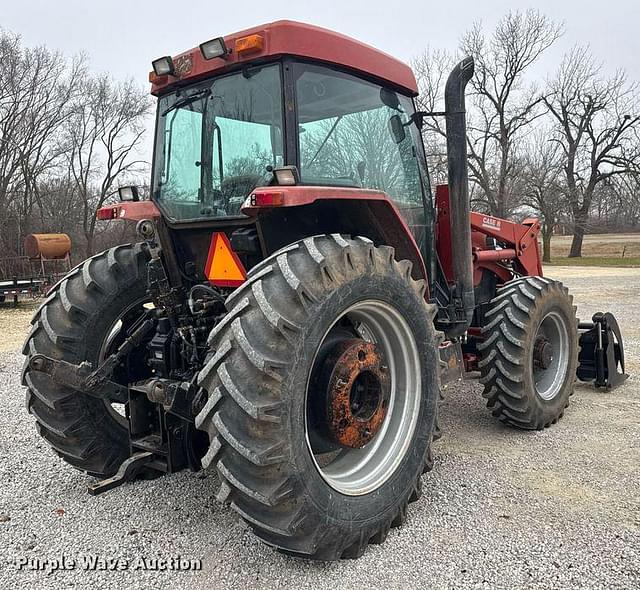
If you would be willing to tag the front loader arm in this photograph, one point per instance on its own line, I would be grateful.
(519, 242)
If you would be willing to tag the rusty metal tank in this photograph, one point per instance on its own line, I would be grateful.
(49, 246)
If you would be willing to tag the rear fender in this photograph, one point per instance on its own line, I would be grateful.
(133, 211)
(287, 214)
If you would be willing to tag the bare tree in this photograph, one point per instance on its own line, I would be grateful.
(102, 136)
(542, 184)
(36, 89)
(504, 104)
(616, 204)
(597, 122)
(65, 140)
(501, 106)
(431, 69)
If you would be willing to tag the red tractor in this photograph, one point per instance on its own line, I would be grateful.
(300, 298)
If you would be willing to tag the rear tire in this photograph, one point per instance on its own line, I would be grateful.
(257, 376)
(73, 324)
(527, 315)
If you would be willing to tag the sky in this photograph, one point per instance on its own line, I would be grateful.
(123, 36)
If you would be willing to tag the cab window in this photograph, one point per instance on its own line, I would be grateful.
(216, 141)
(355, 133)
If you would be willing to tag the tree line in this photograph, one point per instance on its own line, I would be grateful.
(68, 137)
(567, 148)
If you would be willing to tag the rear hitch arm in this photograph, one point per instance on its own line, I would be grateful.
(128, 471)
(95, 383)
(79, 377)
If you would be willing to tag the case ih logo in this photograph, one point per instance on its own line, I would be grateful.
(183, 65)
(491, 222)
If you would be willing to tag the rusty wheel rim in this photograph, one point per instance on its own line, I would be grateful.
(359, 471)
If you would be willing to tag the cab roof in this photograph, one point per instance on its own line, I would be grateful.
(297, 39)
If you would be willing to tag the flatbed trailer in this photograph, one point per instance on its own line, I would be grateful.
(15, 286)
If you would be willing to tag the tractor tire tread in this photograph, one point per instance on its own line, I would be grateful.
(503, 361)
(244, 420)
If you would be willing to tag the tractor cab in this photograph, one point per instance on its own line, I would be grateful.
(221, 136)
(287, 104)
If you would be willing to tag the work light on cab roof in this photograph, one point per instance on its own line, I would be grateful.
(163, 66)
(214, 48)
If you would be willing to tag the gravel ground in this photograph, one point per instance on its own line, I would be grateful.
(502, 509)
(14, 322)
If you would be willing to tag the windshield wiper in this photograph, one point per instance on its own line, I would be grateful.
(324, 141)
(187, 100)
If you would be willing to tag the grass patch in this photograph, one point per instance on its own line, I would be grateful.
(630, 262)
(604, 246)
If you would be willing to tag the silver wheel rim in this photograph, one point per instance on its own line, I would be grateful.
(115, 409)
(355, 472)
(549, 381)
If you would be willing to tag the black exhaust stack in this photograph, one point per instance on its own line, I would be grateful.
(459, 191)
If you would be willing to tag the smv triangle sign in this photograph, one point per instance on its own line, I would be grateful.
(223, 268)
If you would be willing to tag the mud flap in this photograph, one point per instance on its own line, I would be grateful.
(601, 357)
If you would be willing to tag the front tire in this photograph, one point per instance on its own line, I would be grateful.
(529, 354)
(260, 381)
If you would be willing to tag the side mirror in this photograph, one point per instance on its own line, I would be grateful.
(390, 98)
(128, 193)
(396, 127)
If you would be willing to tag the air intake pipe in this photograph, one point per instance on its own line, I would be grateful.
(459, 191)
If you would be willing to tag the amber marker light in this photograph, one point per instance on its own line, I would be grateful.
(249, 44)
